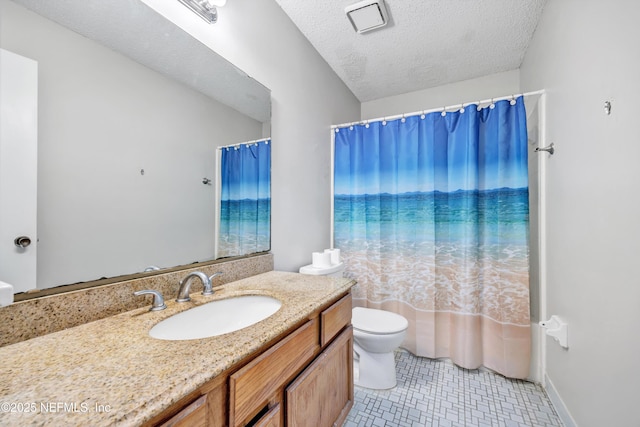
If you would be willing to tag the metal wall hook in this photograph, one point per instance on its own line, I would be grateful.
(22, 241)
(548, 149)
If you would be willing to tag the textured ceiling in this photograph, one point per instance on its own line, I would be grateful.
(427, 43)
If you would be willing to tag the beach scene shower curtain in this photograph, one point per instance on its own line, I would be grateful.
(245, 199)
(431, 215)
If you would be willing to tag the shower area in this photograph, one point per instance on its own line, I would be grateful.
(437, 216)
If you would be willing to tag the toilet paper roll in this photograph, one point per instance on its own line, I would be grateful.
(6, 294)
(335, 255)
(321, 259)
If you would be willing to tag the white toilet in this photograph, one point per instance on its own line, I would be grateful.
(376, 334)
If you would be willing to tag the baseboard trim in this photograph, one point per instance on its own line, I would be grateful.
(558, 404)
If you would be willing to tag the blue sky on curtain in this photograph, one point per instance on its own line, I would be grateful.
(431, 216)
(245, 202)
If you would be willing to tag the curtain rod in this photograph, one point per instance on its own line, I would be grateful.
(435, 110)
(245, 143)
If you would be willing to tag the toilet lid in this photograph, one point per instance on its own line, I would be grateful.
(375, 321)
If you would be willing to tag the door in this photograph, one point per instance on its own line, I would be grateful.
(322, 395)
(18, 169)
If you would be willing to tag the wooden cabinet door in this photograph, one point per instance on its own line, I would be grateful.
(323, 394)
(193, 415)
(271, 418)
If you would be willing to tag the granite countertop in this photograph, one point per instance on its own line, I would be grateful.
(110, 372)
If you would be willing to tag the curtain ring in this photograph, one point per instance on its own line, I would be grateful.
(444, 111)
(461, 108)
(423, 115)
(403, 119)
(513, 100)
(492, 105)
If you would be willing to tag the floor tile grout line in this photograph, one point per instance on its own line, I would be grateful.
(445, 392)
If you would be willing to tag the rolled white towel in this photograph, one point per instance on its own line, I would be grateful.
(6, 294)
(321, 259)
(335, 255)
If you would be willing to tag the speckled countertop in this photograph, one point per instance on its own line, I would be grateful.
(110, 372)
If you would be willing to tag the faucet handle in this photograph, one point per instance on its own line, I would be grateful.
(208, 286)
(216, 274)
(158, 300)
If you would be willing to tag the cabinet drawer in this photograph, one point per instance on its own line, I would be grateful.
(251, 387)
(334, 318)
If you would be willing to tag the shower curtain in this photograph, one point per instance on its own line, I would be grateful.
(431, 216)
(245, 201)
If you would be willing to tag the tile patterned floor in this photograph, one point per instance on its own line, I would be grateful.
(438, 393)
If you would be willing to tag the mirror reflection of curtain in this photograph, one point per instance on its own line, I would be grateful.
(431, 216)
(245, 199)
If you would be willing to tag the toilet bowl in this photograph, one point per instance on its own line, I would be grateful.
(376, 334)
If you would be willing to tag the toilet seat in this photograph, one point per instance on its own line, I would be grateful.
(377, 322)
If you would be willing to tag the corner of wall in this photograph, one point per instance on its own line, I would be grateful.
(558, 404)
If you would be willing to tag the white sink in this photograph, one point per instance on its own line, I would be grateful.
(216, 318)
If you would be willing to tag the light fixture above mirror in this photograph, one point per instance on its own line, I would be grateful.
(206, 9)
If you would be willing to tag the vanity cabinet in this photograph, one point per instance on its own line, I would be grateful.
(304, 378)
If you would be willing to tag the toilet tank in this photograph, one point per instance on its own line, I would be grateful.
(334, 271)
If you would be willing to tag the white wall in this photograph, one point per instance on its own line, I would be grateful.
(103, 118)
(584, 53)
(494, 85)
(307, 98)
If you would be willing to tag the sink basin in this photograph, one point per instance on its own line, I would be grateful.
(216, 318)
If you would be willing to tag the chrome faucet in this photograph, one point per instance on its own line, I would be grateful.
(185, 285)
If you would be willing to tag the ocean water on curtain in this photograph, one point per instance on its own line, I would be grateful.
(245, 199)
(428, 249)
(244, 223)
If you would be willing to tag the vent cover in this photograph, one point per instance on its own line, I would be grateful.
(367, 15)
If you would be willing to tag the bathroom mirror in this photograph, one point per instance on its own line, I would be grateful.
(131, 109)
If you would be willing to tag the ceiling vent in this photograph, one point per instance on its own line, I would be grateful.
(367, 15)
